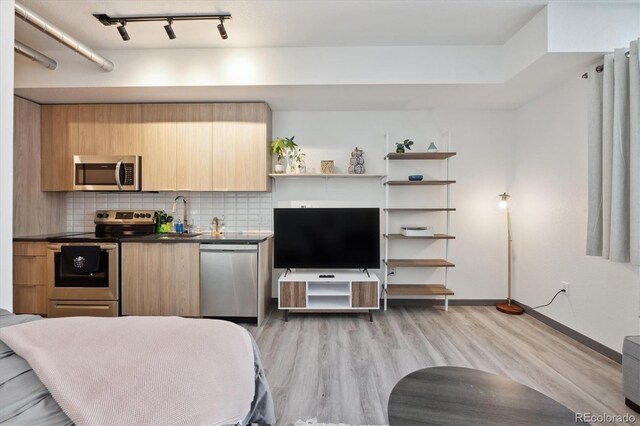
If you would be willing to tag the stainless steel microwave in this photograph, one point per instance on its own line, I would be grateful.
(107, 172)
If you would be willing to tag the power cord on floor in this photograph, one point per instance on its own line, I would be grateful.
(554, 298)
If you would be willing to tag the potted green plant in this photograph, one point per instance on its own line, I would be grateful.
(297, 163)
(282, 148)
(401, 146)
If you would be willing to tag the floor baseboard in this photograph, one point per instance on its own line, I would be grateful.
(431, 302)
(587, 341)
(439, 302)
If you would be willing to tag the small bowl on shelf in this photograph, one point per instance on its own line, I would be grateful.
(415, 178)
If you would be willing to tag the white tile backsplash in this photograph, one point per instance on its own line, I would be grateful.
(243, 211)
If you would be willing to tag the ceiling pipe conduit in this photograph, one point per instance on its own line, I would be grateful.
(62, 37)
(34, 55)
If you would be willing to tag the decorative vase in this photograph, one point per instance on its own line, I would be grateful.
(400, 149)
(326, 167)
(279, 167)
(292, 167)
(432, 147)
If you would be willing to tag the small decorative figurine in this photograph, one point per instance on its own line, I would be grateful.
(356, 163)
(432, 147)
(400, 146)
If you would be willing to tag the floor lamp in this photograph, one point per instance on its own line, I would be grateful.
(509, 307)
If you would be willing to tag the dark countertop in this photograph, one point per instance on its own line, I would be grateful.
(45, 237)
(227, 238)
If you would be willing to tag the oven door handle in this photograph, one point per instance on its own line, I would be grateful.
(105, 247)
(119, 165)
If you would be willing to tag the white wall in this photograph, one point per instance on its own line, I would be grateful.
(6, 153)
(483, 141)
(550, 220)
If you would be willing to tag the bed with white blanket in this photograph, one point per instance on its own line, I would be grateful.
(129, 370)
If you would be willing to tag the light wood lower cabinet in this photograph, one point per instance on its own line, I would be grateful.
(364, 294)
(160, 279)
(293, 294)
(30, 278)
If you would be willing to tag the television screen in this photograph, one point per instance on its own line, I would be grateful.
(327, 238)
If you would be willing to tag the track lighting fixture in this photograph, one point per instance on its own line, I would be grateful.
(222, 30)
(123, 31)
(169, 29)
(123, 20)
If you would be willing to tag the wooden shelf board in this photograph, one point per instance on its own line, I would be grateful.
(420, 155)
(322, 175)
(419, 182)
(418, 290)
(417, 263)
(409, 209)
(434, 237)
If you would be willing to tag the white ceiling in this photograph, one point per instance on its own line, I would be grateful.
(306, 23)
(287, 23)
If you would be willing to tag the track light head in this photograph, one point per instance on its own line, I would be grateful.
(123, 31)
(222, 30)
(169, 29)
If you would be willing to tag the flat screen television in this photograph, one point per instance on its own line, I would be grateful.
(327, 238)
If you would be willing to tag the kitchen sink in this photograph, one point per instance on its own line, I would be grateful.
(176, 235)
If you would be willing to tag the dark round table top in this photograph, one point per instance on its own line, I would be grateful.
(464, 396)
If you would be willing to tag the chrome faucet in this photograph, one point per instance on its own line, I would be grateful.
(173, 210)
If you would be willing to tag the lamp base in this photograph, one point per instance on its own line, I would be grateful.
(510, 308)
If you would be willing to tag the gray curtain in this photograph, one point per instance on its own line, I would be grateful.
(614, 157)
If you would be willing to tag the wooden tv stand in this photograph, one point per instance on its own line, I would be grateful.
(327, 291)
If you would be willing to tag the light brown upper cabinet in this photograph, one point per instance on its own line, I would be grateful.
(59, 143)
(125, 129)
(241, 155)
(111, 129)
(114, 129)
(93, 130)
(195, 145)
(184, 147)
(159, 147)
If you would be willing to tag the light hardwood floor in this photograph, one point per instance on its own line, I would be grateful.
(342, 368)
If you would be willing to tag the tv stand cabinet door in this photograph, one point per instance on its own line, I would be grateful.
(293, 294)
(364, 294)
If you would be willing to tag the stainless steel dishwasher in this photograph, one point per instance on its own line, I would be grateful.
(229, 281)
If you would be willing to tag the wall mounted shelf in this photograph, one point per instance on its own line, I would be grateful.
(418, 263)
(418, 290)
(419, 182)
(433, 237)
(326, 176)
(409, 209)
(420, 155)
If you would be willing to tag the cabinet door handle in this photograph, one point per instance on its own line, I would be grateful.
(69, 306)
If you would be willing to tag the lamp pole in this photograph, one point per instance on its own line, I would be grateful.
(509, 307)
(508, 256)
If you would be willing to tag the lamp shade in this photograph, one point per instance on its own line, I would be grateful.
(504, 201)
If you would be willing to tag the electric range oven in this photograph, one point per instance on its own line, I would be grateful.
(84, 270)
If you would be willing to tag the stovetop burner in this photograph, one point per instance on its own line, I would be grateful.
(114, 225)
